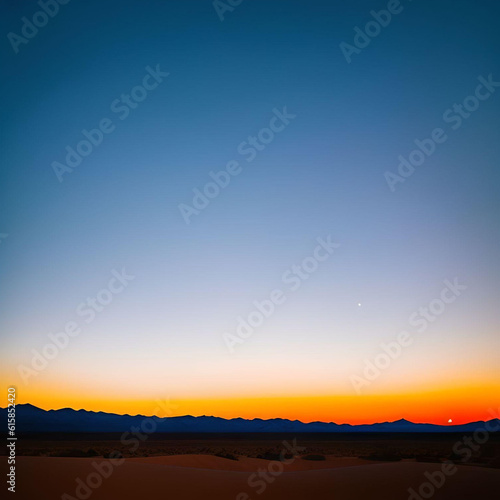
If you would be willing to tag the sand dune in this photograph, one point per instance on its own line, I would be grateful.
(247, 464)
(207, 477)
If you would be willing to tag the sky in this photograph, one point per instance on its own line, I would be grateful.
(326, 132)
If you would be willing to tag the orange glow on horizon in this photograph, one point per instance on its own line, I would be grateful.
(462, 405)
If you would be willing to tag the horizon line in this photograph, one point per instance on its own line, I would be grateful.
(255, 418)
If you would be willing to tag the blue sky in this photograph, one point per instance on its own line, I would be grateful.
(322, 175)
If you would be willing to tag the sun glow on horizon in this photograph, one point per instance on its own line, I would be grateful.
(467, 404)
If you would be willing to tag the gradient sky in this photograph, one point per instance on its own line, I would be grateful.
(323, 175)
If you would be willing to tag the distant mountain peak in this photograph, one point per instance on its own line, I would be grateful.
(402, 421)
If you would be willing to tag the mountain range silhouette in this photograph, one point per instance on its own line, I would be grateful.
(30, 418)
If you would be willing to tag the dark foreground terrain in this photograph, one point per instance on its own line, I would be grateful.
(375, 446)
(263, 466)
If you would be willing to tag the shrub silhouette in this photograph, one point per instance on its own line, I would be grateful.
(314, 457)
